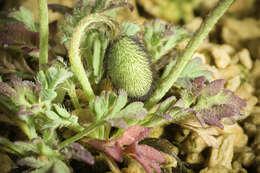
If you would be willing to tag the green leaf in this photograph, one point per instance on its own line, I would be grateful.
(7, 143)
(26, 17)
(61, 111)
(167, 69)
(47, 95)
(134, 110)
(160, 38)
(166, 105)
(192, 70)
(45, 169)
(119, 103)
(130, 28)
(52, 115)
(26, 146)
(60, 166)
(33, 162)
(56, 76)
(42, 79)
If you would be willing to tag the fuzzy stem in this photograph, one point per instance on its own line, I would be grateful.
(111, 163)
(74, 48)
(81, 134)
(187, 53)
(44, 32)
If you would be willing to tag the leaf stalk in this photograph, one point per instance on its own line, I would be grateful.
(187, 53)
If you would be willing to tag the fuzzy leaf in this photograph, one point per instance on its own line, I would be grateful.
(60, 166)
(214, 102)
(61, 111)
(26, 17)
(32, 162)
(130, 29)
(7, 143)
(161, 37)
(117, 122)
(44, 169)
(77, 151)
(47, 95)
(134, 110)
(20, 97)
(26, 146)
(56, 76)
(119, 103)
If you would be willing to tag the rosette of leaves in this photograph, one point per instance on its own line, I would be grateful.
(113, 109)
(32, 102)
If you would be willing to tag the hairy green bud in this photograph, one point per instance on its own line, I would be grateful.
(129, 67)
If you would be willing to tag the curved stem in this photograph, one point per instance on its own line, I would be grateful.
(74, 48)
(44, 32)
(187, 53)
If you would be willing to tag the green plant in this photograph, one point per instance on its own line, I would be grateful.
(98, 45)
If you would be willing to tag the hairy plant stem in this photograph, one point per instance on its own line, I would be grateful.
(44, 32)
(111, 163)
(74, 48)
(187, 53)
(82, 134)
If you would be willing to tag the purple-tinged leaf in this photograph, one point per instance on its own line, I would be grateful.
(117, 122)
(209, 118)
(147, 156)
(22, 37)
(32, 162)
(112, 148)
(213, 115)
(213, 88)
(77, 151)
(198, 85)
(166, 117)
(21, 113)
(7, 90)
(233, 99)
(17, 84)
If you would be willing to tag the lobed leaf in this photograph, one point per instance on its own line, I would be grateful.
(26, 17)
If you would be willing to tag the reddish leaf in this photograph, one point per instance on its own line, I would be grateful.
(22, 37)
(147, 156)
(134, 134)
